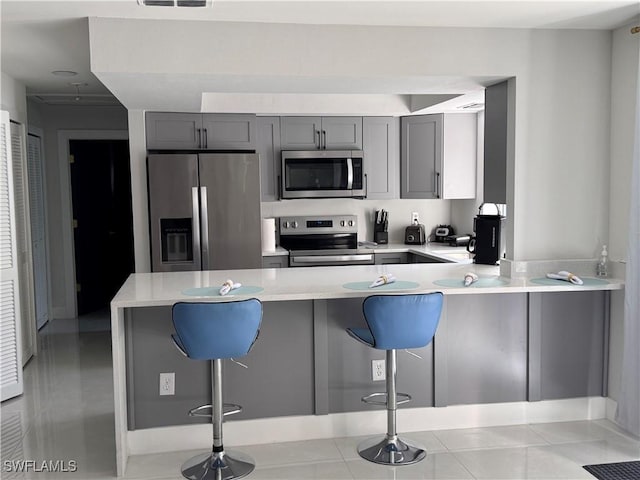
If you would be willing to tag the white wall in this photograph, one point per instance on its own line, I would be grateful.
(14, 98)
(625, 86)
(431, 213)
(559, 187)
(53, 119)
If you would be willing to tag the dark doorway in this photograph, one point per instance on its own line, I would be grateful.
(103, 222)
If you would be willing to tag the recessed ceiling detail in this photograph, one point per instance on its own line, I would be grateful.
(64, 73)
(175, 3)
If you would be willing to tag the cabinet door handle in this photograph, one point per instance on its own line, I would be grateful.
(206, 140)
(324, 139)
(318, 134)
(437, 184)
(199, 138)
(366, 185)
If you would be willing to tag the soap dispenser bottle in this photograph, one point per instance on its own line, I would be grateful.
(602, 269)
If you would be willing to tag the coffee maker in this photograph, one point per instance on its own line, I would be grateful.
(488, 243)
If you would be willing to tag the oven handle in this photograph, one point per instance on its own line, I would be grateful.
(331, 258)
(349, 173)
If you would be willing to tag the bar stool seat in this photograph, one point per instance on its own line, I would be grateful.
(215, 331)
(395, 322)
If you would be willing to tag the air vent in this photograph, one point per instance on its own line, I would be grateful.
(175, 3)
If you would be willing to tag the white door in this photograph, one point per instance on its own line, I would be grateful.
(23, 240)
(38, 221)
(10, 327)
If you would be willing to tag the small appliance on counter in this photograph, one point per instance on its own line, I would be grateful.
(488, 244)
(381, 227)
(458, 240)
(415, 234)
(443, 232)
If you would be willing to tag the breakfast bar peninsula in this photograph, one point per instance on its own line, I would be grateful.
(507, 350)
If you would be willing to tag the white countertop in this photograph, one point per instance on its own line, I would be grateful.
(304, 283)
(437, 250)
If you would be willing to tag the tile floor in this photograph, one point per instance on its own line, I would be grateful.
(66, 413)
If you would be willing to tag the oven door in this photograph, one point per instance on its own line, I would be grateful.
(336, 257)
(322, 173)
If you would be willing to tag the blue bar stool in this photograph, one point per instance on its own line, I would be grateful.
(215, 331)
(395, 322)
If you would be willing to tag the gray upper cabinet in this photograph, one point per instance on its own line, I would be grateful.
(196, 131)
(268, 147)
(379, 144)
(229, 131)
(173, 131)
(321, 133)
(420, 156)
(495, 143)
(438, 156)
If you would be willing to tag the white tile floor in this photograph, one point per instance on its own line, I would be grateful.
(66, 413)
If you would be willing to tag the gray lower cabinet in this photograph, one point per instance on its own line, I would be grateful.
(381, 164)
(268, 147)
(263, 389)
(280, 261)
(438, 156)
(198, 131)
(488, 348)
(319, 133)
(568, 335)
(417, 258)
(481, 349)
(349, 364)
(391, 258)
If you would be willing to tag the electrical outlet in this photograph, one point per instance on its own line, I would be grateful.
(378, 371)
(168, 383)
(414, 218)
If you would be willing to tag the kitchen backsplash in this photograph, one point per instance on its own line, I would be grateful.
(431, 213)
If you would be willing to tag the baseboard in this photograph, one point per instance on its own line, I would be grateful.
(289, 429)
(612, 407)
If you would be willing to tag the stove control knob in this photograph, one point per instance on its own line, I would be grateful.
(351, 223)
(342, 223)
(285, 224)
(294, 224)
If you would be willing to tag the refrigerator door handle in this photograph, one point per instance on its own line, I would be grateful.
(205, 228)
(195, 205)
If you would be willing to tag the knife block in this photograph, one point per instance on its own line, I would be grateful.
(381, 238)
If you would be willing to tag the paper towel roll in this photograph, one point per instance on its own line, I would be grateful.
(268, 234)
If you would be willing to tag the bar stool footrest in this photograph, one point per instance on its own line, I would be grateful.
(232, 409)
(368, 399)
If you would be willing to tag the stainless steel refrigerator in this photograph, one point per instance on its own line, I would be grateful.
(204, 211)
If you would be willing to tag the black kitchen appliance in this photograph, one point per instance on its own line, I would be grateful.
(443, 232)
(488, 244)
(415, 234)
(381, 226)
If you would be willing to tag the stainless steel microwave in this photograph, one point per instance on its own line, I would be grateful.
(322, 174)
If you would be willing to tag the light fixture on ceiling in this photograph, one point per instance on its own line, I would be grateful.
(64, 73)
(175, 3)
(471, 106)
(77, 85)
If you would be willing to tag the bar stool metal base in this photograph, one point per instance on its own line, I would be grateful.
(218, 466)
(391, 451)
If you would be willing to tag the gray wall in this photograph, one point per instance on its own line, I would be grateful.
(53, 119)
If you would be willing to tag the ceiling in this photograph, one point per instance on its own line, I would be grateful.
(39, 37)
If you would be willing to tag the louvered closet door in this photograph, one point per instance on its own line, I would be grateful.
(36, 204)
(23, 239)
(10, 349)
